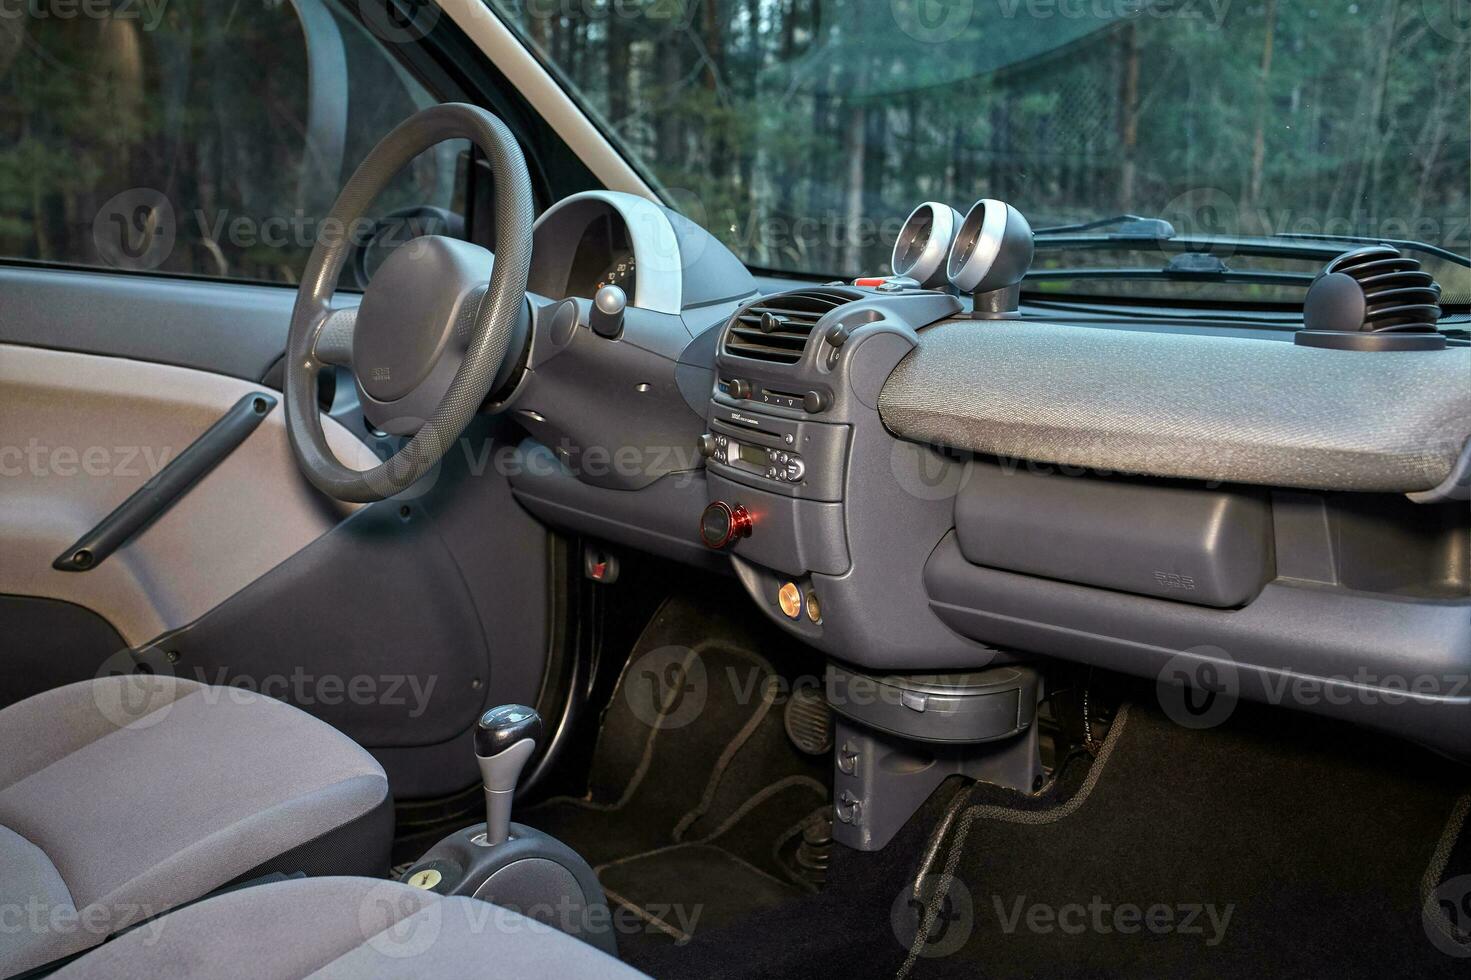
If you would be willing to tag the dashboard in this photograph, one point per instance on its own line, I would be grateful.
(912, 480)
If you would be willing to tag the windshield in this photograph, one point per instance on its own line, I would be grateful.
(801, 132)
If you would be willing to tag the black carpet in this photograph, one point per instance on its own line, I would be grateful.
(695, 789)
(1276, 846)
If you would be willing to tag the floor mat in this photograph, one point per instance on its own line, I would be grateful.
(1264, 849)
(672, 885)
(695, 786)
(1279, 845)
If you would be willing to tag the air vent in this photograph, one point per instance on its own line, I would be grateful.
(776, 328)
(1372, 298)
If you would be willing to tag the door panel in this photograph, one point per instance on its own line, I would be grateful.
(83, 432)
(224, 328)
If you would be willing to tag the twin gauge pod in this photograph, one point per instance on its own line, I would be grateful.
(986, 253)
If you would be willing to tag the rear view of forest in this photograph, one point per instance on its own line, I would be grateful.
(802, 131)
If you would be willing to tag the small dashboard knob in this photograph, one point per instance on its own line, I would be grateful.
(815, 401)
(707, 445)
(739, 388)
(606, 318)
(722, 524)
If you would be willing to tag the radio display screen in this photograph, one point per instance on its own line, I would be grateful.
(754, 455)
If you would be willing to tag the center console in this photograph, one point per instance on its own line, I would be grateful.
(829, 520)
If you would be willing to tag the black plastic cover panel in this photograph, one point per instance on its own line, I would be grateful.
(1393, 662)
(977, 706)
(49, 643)
(1209, 547)
(1186, 405)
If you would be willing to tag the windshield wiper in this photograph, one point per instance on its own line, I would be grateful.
(1407, 244)
(1186, 267)
(1125, 225)
(1126, 230)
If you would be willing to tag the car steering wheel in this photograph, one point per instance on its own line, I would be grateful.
(428, 340)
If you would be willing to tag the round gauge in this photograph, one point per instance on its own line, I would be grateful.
(620, 273)
(992, 250)
(923, 243)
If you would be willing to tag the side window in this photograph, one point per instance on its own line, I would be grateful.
(203, 138)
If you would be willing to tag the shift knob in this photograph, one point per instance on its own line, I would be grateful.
(505, 737)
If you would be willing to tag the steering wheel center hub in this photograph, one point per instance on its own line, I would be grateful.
(415, 322)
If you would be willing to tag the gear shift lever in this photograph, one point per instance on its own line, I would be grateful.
(505, 738)
(531, 871)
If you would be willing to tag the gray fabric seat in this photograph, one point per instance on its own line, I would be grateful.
(357, 928)
(124, 797)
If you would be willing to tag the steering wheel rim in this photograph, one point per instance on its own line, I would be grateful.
(321, 336)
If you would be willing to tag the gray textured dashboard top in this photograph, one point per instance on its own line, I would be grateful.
(1185, 405)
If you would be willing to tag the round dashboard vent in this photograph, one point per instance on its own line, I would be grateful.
(1372, 298)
